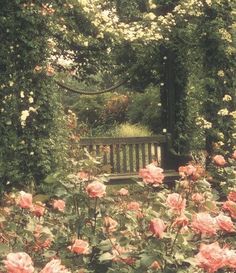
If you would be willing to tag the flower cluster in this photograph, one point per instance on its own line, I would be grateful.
(152, 175)
(212, 257)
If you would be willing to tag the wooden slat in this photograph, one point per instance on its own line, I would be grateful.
(112, 158)
(124, 150)
(118, 158)
(137, 157)
(149, 153)
(155, 151)
(143, 155)
(105, 158)
(131, 160)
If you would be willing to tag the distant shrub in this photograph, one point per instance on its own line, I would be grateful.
(131, 130)
(145, 108)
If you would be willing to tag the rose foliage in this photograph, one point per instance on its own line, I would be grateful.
(83, 225)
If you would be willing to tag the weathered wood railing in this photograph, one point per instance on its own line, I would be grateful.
(127, 155)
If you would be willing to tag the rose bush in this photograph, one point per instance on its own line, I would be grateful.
(77, 225)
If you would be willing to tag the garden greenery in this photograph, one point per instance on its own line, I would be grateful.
(76, 225)
(52, 221)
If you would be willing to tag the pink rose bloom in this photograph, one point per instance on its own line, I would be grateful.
(80, 247)
(197, 197)
(230, 257)
(133, 206)
(190, 169)
(181, 221)
(225, 223)
(231, 207)
(38, 230)
(210, 257)
(157, 227)
(155, 265)
(195, 172)
(19, 263)
(123, 192)
(83, 176)
(204, 223)
(38, 209)
(25, 200)
(54, 266)
(219, 160)
(187, 170)
(152, 175)
(175, 202)
(232, 196)
(59, 205)
(121, 254)
(110, 224)
(96, 189)
(234, 155)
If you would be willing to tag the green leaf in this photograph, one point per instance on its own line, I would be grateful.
(49, 254)
(2, 219)
(41, 198)
(105, 245)
(106, 257)
(191, 261)
(146, 260)
(140, 184)
(4, 249)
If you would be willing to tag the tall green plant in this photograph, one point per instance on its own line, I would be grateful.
(31, 115)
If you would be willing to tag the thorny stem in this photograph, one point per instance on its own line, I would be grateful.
(95, 216)
(176, 236)
(114, 246)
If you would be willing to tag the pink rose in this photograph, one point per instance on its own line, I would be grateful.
(225, 223)
(190, 169)
(110, 224)
(133, 206)
(175, 202)
(80, 247)
(197, 197)
(230, 257)
(194, 172)
(120, 254)
(39, 244)
(50, 71)
(234, 155)
(187, 170)
(54, 266)
(210, 257)
(231, 207)
(219, 160)
(157, 227)
(152, 175)
(204, 223)
(83, 176)
(38, 230)
(25, 200)
(232, 196)
(123, 192)
(181, 221)
(38, 209)
(96, 189)
(155, 265)
(19, 262)
(59, 205)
